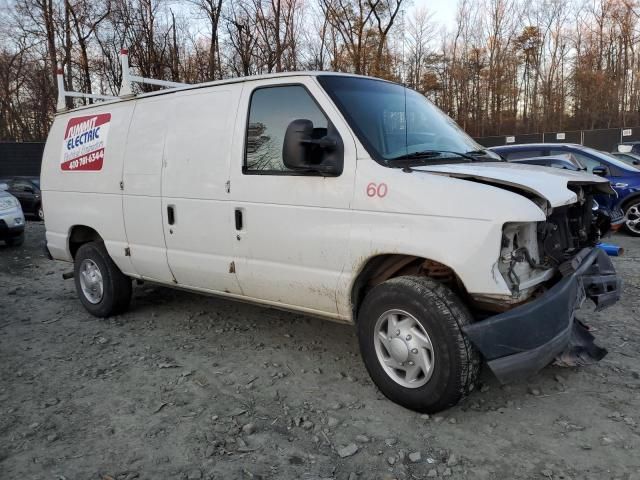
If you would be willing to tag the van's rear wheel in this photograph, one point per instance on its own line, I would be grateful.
(103, 289)
(409, 329)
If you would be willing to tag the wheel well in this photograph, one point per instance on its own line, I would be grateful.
(383, 267)
(81, 234)
(628, 199)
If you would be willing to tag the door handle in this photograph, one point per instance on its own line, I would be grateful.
(238, 215)
(171, 214)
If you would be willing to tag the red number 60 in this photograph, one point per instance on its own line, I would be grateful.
(374, 190)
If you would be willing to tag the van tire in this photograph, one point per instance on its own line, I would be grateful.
(116, 286)
(441, 314)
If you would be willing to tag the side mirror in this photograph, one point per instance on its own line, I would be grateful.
(600, 171)
(302, 152)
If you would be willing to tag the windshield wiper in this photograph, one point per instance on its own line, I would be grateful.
(476, 152)
(424, 154)
(483, 152)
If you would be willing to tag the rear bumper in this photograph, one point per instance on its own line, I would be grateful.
(522, 341)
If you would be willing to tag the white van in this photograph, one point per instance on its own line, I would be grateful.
(336, 195)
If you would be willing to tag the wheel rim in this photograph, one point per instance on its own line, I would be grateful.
(91, 281)
(40, 213)
(633, 218)
(404, 349)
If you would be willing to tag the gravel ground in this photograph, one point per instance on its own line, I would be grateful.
(192, 387)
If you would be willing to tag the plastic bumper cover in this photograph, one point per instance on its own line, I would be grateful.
(522, 341)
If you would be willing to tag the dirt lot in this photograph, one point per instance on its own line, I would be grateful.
(186, 386)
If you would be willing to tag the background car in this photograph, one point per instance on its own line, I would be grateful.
(565, 161)
(624, 178)
(632, 159)
(27, 191)
(11, 219)
(629, 147)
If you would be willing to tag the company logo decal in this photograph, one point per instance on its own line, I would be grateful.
(85, 139)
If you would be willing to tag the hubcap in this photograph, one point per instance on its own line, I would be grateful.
(40, 213)
(404, 348)
(633, 218)
(91, 281)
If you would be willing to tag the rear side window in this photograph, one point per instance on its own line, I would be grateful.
(522, 154)
(271, 110)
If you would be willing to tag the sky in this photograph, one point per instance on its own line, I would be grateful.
(444, 10)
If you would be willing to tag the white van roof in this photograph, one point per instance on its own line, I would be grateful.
(214, 83)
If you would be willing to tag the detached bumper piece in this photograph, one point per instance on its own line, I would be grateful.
(522, 341)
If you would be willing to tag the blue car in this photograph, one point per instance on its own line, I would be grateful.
(624, 178)
(565, 162)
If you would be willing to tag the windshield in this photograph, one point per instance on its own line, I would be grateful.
(395, 123)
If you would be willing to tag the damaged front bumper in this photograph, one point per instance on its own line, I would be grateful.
(522, 341)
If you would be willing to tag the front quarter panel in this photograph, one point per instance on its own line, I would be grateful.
(455, 222)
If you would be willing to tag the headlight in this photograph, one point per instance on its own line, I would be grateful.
(8, 203)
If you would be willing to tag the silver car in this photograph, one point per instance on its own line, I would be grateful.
(11, 219)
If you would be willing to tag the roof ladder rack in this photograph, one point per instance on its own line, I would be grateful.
(61, 106)
(128, 79)
(125, 88)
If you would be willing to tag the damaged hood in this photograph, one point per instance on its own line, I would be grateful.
(546, 182)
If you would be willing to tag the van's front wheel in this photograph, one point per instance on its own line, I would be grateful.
(412, 345)
(103, 289)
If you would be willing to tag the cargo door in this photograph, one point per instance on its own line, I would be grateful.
(197, 220)
(141, 189)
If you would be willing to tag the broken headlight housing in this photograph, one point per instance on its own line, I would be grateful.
(520, 258)
(531, 252)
